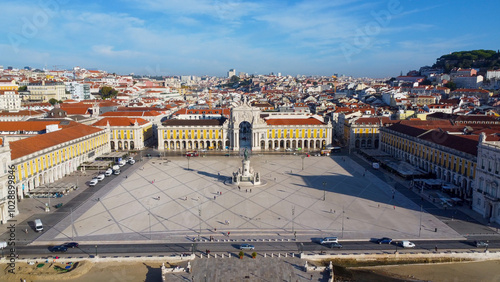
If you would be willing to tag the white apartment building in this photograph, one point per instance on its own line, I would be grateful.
(10, 100)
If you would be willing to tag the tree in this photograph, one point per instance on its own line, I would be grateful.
(108, 92)
(234, 79)
(53, 101)
(22, 88)
(452, 85)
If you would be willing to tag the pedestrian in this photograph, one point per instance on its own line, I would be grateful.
(215, 229)
(379, 205)
(311, 277)
(330, 210)
(394, 207)
(436, 248)
(239, 188)
(228, 233)
(246, 190)
(215, 197)
(250, 190)
(126, 176)
(220, 193)
(158, 198)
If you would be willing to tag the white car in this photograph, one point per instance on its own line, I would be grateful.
(108, 172)
(116, 172)
(277, 149)
(407, 244)
(101, 177)
(131, 161)
(93, 182)
(289, 149)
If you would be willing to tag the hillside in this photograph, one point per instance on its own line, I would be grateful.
(481, 59)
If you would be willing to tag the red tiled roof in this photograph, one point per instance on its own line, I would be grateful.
(31, 125)
(119, 121)
(36, 143)
(131, 114)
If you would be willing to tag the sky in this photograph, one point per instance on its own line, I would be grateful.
(208, 37)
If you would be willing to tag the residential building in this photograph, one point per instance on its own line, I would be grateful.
(10, 100)
(43, 91)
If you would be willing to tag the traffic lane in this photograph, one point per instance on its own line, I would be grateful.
(259, 246)
(110, 249)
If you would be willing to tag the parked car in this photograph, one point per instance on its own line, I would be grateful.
(93, 182)
(289, 149)
(480, 244)
(116, 172)
(246, 247)
(131, 160)
(101, 177)
(108, 172)
(384, 240)
(60, 248)
(71, 245)
(191, 154)
(336, 245)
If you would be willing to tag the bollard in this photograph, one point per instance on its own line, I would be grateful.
(279, 255)
(222, 256)
(265, 255)
(286, 255)
(272, 255)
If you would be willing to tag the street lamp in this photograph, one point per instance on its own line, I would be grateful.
(343, 212)
(293, 218)
(149, 217)
(95, 250)
(199, 216)
(324, 190)
(420, 224)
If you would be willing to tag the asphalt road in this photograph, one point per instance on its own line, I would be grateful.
(353, 247)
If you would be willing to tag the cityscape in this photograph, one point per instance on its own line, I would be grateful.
(223, 140)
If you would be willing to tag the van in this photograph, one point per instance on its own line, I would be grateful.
(38, 225)
(407, 244)
(329, 240)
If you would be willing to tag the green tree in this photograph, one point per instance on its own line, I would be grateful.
(107, 92)
(22, 88)
(53, 101)
(452, 85)
(234, 79)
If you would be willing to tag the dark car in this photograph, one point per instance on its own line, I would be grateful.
(60, 248)
(479, 244)
(335, 246)
(71, 245)
(384, 240)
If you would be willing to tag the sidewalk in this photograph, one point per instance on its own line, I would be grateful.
(450, 215)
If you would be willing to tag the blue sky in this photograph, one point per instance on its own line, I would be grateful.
(209, 37)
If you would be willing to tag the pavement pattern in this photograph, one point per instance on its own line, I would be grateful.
(180, 199)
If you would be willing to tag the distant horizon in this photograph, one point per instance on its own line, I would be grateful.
(357, 38)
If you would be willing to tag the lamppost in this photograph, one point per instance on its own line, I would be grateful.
(324, 190)
(420, 224)
(95, 250)
(293, 218)
(149, 217)
(199, 216)
(302, 157)
(343, 212)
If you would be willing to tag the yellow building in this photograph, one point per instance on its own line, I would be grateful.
(127, 133)
(8, 85)
(45, 158)
(451, 158)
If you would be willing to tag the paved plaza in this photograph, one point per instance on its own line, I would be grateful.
(160, 201)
